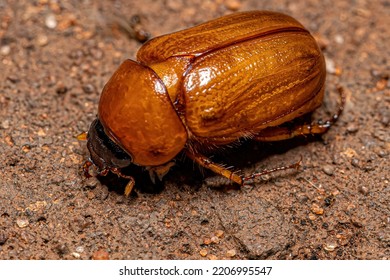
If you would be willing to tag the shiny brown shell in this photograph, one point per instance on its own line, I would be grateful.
(212, 84)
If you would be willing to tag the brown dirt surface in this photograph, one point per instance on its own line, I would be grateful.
(56, 57)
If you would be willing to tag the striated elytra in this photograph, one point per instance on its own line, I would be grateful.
(241, 76)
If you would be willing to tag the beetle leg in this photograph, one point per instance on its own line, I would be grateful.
(87, 164)
(130, 185)
(295, 165)
(282, 133)
(207, 163)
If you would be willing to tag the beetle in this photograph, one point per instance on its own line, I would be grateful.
(241, 76)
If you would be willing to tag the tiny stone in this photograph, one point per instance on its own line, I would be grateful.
(42, 40)
(13, 79)
(22, 222)
(363, 190)
(5, 124)
(79, 249)
(90, 195)
(76, 255)
(214, 240)
(317, 209)
(51, 21)
(233, 5)
(207, 241)
(61, 88)
(101, 255)
(3, 238)
(382, 153)
(312, 217)
(174, 5)
(88, 88)
(231, 253)
(330, 247)
(5, 50)
(213, 257)
(328, 169)
(339, 39)
(352, 128)
(330, 66)
(203, 252)
(219, 233)
(355, 162)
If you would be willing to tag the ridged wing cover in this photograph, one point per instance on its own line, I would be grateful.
(214, 34)
(249, 71)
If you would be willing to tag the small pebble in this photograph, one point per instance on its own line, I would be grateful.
(13, 79)
(50, 21)
(232, 5)
(91, 195)
(42, 40)
(339, 39)
(330, 66)
(203, 252)
(5, 50)
(355, 162)
(76, 255)
(26, 148)
(22, 222)
(330, 247)
(317, 209)
(328, 169)
(5, 124)
(79, 249)
(214, 240)
(207, 241)
(329, 200)
(231, 253)
(174, 5)
(3, 238)
(61, 88)
(363, 190)
(88, 88)
(213, 257)
(100, 255)
(219, 233)
(352, 128)
(312, 217)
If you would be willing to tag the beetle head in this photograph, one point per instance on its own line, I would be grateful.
(105, 154)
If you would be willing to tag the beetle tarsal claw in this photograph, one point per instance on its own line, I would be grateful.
(86, 166)
(129, 187)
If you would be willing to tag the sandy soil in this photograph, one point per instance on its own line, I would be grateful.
(57, 55)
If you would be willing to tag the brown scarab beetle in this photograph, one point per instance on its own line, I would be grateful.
(240, 76)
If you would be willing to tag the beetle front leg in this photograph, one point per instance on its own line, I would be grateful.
(207, 163)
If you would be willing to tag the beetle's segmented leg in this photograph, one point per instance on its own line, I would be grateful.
(207, 163)
(282, 133)
(87, 164)
(130, 185)
(295, 165)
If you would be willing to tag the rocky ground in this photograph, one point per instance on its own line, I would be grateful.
(57, 55)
